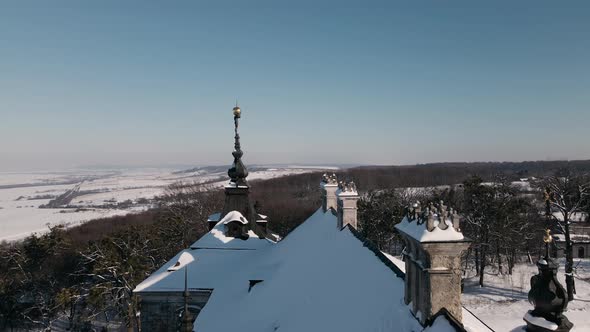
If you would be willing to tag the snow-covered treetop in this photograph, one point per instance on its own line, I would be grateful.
(435, 222)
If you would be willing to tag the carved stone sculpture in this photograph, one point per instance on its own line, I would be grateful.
(549, 298)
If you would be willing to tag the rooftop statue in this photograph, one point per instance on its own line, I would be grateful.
(329, 178)
(347, 186)
(548, 296)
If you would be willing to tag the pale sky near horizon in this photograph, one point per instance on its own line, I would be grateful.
(368, 82)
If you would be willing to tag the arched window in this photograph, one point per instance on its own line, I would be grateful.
(580, 252)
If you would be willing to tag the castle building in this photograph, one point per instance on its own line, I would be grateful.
(323, 276)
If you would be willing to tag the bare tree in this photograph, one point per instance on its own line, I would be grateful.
(478, 213)
(497, 220)
(379, 212)
(185, 207)
(116, 265)
(566, 194)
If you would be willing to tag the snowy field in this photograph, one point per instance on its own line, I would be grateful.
(82, 195)
(504, 300)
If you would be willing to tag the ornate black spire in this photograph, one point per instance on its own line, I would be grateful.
(238, 171)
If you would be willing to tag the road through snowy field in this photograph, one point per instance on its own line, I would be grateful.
(98, 193)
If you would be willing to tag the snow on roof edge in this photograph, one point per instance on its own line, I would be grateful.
(233, 216)
(421, 234)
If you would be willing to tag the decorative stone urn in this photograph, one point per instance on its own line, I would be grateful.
(549, 298)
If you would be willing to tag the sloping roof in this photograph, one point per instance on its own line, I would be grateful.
(208, 269)
(319, 278)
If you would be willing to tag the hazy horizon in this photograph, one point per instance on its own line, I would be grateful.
(181, 167)
(369, 83)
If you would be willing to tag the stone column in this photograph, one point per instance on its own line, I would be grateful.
(347, 208)
(444, 277)
(434, 244)
(329, 187)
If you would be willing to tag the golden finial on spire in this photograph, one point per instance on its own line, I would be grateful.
(237, 110)
(547, 238)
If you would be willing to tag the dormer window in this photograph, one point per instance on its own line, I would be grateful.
(236, 225)
(236, 229)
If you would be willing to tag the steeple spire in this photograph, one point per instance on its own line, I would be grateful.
(237, 191)
(238, 171)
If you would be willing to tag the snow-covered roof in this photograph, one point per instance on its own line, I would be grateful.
(209, 261)
(216, 238)
(234, 216)
(319, 278)
(214, 217)
(183, 259)
(208, 269)
(418, 231)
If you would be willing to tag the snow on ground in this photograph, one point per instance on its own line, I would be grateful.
(18, 218)
(13, 178)
(100, 193)
(504, 301)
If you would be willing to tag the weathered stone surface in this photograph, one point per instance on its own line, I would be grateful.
(433, 277)
(329, 199)
(347, 198)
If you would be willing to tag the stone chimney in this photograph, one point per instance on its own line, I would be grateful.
(347, 196)
(329, 187)
(434, 244)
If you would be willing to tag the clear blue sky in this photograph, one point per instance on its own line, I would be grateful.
(140, 83)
